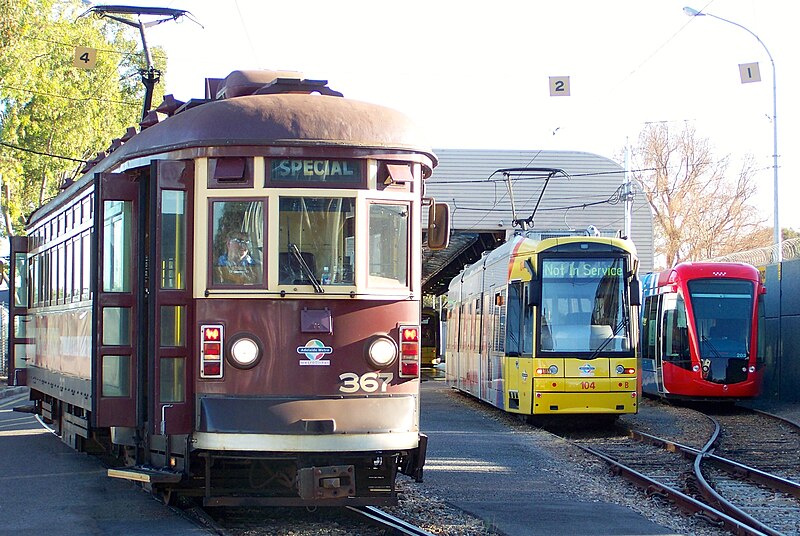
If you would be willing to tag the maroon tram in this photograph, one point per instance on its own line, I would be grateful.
(229, 299)
(700, 332)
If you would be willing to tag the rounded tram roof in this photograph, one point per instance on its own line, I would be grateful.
(277, 120)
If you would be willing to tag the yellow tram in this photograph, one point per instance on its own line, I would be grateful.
(540, 327)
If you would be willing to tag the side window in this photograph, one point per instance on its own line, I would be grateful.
(20, 280)
(388, 244)
(514, 313)
(675, 332)
(117, 246)
(649, 327)
(527, 324)
(173, 239)
(237, 243)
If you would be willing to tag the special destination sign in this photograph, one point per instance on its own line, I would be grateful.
(310, 170)
(582, 268)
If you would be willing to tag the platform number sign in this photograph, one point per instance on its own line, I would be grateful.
(84, 58)
(749, 72)
(559, 86)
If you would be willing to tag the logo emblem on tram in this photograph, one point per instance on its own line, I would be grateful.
(587, 370)
(313, 351)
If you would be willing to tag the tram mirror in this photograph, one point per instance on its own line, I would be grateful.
(636, 292)
(438, 226)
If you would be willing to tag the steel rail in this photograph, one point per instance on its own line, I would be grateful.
(770, 480)
(710, 494)
(387, 521)
(683, 501)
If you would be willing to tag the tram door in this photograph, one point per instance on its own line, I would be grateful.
(117, 288)
(170, 297)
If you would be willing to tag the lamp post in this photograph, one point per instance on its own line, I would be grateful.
(776, 220)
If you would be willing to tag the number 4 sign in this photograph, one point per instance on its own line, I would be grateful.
(559, 86)
(84, 58)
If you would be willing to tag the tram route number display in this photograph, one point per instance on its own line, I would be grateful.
(581, 269)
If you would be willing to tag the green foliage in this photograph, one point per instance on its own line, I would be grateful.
(49, 106)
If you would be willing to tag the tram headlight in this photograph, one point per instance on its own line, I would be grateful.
(244, 350)
(381, 352)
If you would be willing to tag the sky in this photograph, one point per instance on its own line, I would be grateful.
(475, 75)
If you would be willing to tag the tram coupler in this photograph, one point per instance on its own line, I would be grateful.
(331, 482)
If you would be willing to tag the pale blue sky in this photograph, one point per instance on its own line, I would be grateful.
(475, 74)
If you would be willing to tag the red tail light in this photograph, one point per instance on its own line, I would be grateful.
(409, 351)
(211, 339)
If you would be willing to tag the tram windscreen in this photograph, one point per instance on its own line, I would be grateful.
(723, 316)
(584, 306)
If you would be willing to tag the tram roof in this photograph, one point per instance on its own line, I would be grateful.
(261, 109)
(283, 120)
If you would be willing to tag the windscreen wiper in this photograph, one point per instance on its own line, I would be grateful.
(306, 269)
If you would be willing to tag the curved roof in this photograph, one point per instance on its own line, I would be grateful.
(277, 120)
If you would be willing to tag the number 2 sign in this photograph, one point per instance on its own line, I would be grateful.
(559, 86)
(84, 58)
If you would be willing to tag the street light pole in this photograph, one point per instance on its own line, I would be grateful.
(776, 219)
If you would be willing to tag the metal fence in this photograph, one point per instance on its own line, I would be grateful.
(790, 250)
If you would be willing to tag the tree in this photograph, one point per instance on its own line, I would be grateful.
(53, 115)
(699, 212)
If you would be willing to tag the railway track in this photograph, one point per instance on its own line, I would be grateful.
(362, 520)
(729, 493)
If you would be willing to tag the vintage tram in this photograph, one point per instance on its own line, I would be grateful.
(700, 326)
(548, 327)
(229, 300)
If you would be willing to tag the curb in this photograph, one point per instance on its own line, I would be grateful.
(6, 392)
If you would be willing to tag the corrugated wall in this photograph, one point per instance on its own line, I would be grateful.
(477, 204)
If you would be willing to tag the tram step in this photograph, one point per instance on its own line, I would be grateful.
(150, 476)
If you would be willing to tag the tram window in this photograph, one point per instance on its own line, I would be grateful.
(318, 230)
(116, 326)
(20, 280)
(77, 262)
(388, 244)
(117, 246)
(86, 241)
(68, 274)
(237, 243)
(675, 332)
(173, 239)
(527, 324)
(514, 313)
(172, 387)
(500, 321)
(173, 325)
(650, 327)
(116, 376)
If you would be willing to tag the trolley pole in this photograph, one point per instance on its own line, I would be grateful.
(150, 75)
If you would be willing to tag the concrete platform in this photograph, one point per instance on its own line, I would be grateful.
(47, 488)
(477, 464)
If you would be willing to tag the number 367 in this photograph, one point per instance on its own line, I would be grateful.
(369, 382)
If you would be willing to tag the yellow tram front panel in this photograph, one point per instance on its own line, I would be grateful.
(581, 386)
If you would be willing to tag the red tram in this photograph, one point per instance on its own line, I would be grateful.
(700, 326)
(229, 300)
